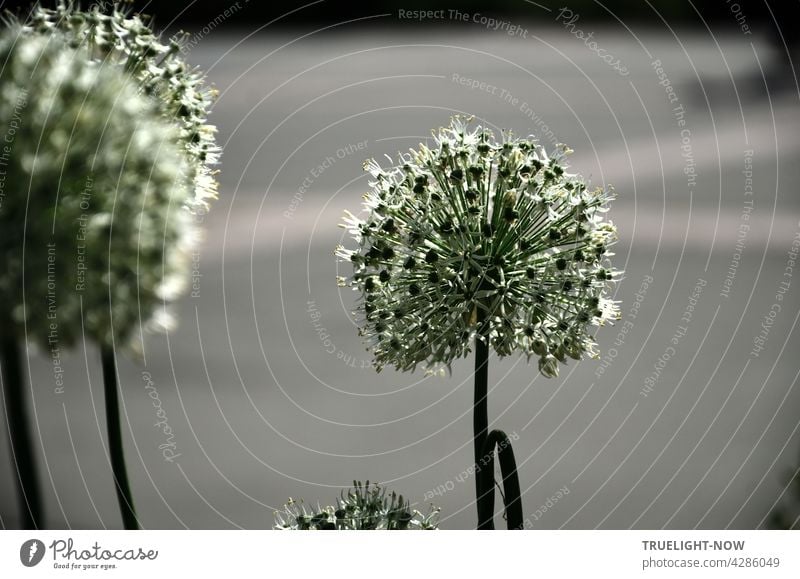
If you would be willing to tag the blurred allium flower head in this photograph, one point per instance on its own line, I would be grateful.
(94, 236)
(363, 508)
(114, 35)
(480, 237)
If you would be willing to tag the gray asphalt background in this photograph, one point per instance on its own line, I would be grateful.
(263, 408)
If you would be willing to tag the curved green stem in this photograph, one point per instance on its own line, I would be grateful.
(485, 443)
(29, 497)
(511, 490)
(116, 450)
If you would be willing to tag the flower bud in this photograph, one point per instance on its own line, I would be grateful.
(548, 366)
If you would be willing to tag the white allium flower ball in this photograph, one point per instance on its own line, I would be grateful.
(94, 236)
(480, 238)
(111, 34)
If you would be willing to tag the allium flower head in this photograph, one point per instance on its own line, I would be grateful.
(477, 237)
(113, 35)
(94, 236)
(364, 508)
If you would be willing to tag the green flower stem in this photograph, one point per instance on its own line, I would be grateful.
(19, 431)
(480, 426)
(511, 491)
(485, 443)
(114, 426)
